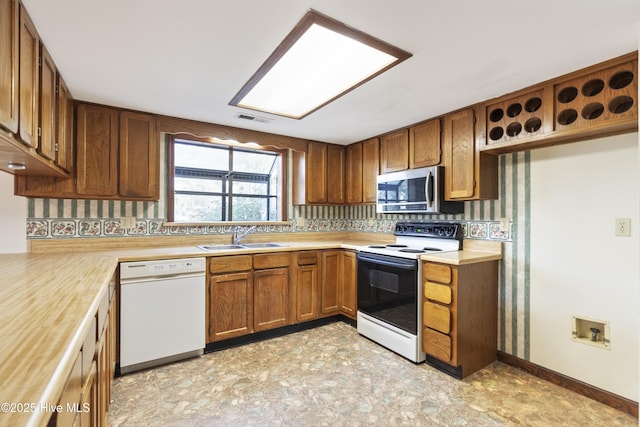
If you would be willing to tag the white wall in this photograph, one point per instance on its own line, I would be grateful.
(578, 265)
(13, 215)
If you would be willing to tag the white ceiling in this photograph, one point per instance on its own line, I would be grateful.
(188, 58)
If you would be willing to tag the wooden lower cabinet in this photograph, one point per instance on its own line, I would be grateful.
(460, 314)
(230, 305)
(89, 398)
(330, 282)
(306, 285)
(253, 293)
(348, 273)
(270, 298)
(85, 398)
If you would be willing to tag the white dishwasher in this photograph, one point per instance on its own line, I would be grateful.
(162, 312)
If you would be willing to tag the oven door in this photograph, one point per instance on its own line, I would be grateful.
(387, 289)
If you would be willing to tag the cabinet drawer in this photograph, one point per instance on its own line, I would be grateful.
(271, 260)
(437, 273)
(437, 317)
(436, 344)
(307, 258)
(225, 264)
(437, 292)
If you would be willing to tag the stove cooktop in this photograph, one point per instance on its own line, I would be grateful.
(414, 239)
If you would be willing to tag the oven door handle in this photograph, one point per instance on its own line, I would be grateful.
(400, 263)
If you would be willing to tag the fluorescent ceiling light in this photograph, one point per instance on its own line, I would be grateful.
(320, 60)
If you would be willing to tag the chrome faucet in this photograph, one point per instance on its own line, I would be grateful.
(238, 235)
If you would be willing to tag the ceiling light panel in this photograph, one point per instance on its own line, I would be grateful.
(319, 61)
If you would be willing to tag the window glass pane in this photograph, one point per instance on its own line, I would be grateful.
(249, 209)
(204, 168)
(202, 156)
(257, 188)
(196, 184)
(197, 208)
(273, 209)
(248, 161)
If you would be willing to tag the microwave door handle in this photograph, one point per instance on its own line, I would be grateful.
(429, 189)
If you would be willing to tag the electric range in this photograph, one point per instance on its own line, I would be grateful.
(390, 284)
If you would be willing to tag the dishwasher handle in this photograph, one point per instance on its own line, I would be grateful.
(146, 279)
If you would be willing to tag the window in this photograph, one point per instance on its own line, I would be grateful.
(219, 182)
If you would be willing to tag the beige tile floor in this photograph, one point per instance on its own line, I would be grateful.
(331, 376)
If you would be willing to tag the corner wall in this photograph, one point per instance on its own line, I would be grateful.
(578, 266)
(13, 214)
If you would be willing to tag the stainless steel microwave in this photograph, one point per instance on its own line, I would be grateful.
(415, 191)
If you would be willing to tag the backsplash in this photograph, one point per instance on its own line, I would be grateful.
(52, 219)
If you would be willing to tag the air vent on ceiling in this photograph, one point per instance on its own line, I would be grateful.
(245, 116)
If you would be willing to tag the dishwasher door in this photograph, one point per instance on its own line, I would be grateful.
(162, 319)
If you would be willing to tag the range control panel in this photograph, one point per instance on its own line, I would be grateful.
(442, 230)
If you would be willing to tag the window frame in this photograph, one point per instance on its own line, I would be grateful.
(281, 191)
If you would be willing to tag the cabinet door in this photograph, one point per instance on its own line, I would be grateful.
(306, 282)
(394, 151)
(370, 169)
(424, 144)
(71, 395)
(270, 298)
(335, 174)
(306, 293)
(354, 176)
(230, 306)
(348, 289)
(97, 145)
(29, 80)
(9, 51)
(316, 173)
(459, 142)
(139, 156)
(64, 123)
(104, 379)
(48, 103)
(330, 282)
(89, 400)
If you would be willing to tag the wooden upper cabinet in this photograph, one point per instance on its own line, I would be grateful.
(459, 142)
(335, 174)
(139, 156)
(394, 151)
(9, 62)
(469, 174)
(316, 173)
(353, 175)
(29, 80)
(424, 144)
(370, 169)
(64, 130)
(48, 103)
(97, 147)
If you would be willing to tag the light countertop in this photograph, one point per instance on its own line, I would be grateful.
(48, 300)
(47, 303)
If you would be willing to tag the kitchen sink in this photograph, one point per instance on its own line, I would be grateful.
(263, 245)
(224, 247)
(219, 247)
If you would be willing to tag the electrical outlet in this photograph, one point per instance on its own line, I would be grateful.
(504, 224)
(623, 227)
(371, 222)
(299, 222)
(128, 222)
